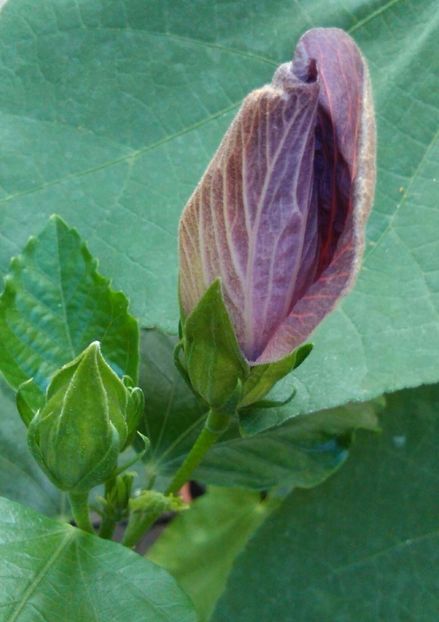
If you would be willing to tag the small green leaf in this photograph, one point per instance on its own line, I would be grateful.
(56, 572)
(55, 304)
(213, 359)
(200, 545)
(363, 546)
(262, 378)
(303, 452)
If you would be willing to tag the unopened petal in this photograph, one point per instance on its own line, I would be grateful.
(249, 220)
(344, 180)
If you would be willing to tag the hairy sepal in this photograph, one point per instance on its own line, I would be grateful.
(262, 378)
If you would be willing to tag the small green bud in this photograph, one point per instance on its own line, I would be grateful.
(117, 496)
(154, 502)
(88, 418)
(134, 409)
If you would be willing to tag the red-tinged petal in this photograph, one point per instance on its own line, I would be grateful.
(344, 180)
(250, 220)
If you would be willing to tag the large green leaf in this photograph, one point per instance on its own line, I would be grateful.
(303, 452)
(55, 304)
(109, 113)
(53, 572)
(364, 546)
(200, 545)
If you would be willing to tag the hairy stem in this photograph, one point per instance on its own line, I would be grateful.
(138, 526)
(107, 528)
(216, 424)
(79, 504)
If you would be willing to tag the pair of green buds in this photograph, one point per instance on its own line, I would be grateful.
(88, 417)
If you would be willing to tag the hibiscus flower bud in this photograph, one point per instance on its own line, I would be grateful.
(279, 215)
(88, 417)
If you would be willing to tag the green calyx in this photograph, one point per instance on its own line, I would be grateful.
(262, 378)
(212, 358)
(211, 361)
(88, 417)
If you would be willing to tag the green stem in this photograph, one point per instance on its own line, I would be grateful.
(79, 503)
(106, 530)
(216, 424)
(138, 526)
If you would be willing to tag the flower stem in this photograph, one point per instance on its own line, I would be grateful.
(138, 526)
(216, 424)
(107, 528)
(79, 503)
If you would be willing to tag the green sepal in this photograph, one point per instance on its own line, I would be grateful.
(262, 378)
(73, 473)
(29, 400)
(77, 435)
(141, 446)
(213, 360)
(261, 404)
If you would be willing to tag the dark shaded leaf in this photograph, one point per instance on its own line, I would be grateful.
(199, 547)
(364, 546)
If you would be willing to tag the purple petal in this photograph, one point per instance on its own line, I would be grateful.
(278, 212)
(344, 180)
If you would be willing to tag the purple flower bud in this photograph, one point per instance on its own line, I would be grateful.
(280, 213)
